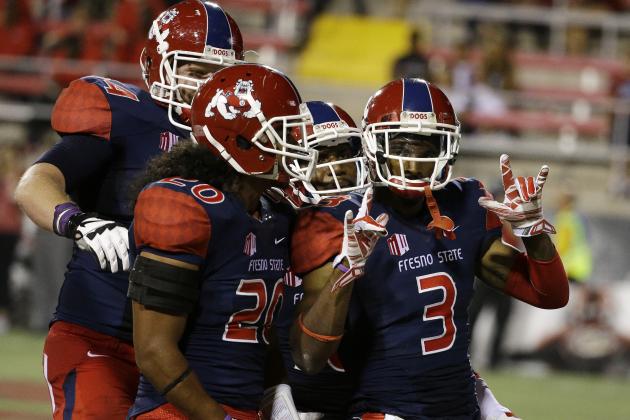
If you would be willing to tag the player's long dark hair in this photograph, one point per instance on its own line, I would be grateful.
(187, 160)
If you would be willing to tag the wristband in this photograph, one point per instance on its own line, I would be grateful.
(346, 278)
(319, 337)
(168, 388)
(342, 267)
(62, 216)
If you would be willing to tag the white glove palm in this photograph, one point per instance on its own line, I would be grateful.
(522, 205)
(107, 240)
(360, 235)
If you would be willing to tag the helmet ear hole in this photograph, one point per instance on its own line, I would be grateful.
(243, 143)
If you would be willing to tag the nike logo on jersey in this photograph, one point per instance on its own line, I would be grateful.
(277, 241)
(90, 354)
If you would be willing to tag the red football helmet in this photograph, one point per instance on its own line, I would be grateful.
(248, 114)
(410, 122)
(191, 31)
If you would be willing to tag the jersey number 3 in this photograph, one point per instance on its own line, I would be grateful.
(442, 310)
(242, 325)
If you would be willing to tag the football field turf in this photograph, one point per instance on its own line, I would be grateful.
(556, 396)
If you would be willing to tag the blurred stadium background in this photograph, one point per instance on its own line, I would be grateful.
(547, 81)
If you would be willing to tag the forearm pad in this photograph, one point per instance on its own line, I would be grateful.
(543, 284)
(163, 287)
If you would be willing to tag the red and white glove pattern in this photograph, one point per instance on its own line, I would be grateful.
(360, 235)
(522, 205)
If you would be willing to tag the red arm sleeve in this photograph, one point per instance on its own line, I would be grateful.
(317, 238)
(170, 221)
(82, 109)
(543, 284)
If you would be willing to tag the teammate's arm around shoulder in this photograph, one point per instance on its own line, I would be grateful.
(537, 276)
(163, 292)
(321, 317)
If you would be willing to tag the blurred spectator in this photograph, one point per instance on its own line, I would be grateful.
(132, 19)
(577, 41)
(497, 64)
(80, 37)
(620, 179)
(10, 227)
(462, 81)
(495, 73)
(571, 239)
(590, 342)
(67, 40)
(501, 305)
(16, 28)
(414, 63)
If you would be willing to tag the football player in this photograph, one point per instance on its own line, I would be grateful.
(78, 189)
(404, 323)
(340, 169)
(212, 251)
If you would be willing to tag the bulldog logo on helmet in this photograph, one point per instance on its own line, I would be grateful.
(230, 104)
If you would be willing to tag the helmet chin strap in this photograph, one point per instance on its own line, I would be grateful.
(442, 226)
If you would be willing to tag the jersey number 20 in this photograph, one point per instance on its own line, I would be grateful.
(242, 325)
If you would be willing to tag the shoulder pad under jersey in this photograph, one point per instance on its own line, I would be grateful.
(171, 220)
(104, 108)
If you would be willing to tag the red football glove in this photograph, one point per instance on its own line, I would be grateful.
(522, 205)
(360, 235)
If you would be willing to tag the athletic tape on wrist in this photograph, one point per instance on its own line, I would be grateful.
(347, 277)
(342, 267)
(61, 218)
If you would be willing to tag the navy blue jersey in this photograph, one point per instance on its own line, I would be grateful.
(409, 313)
(109, 131)
(243, 262)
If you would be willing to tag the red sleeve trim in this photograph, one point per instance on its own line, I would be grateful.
(543, 284)
(171, 221)
(82, 109)
(317, 238)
